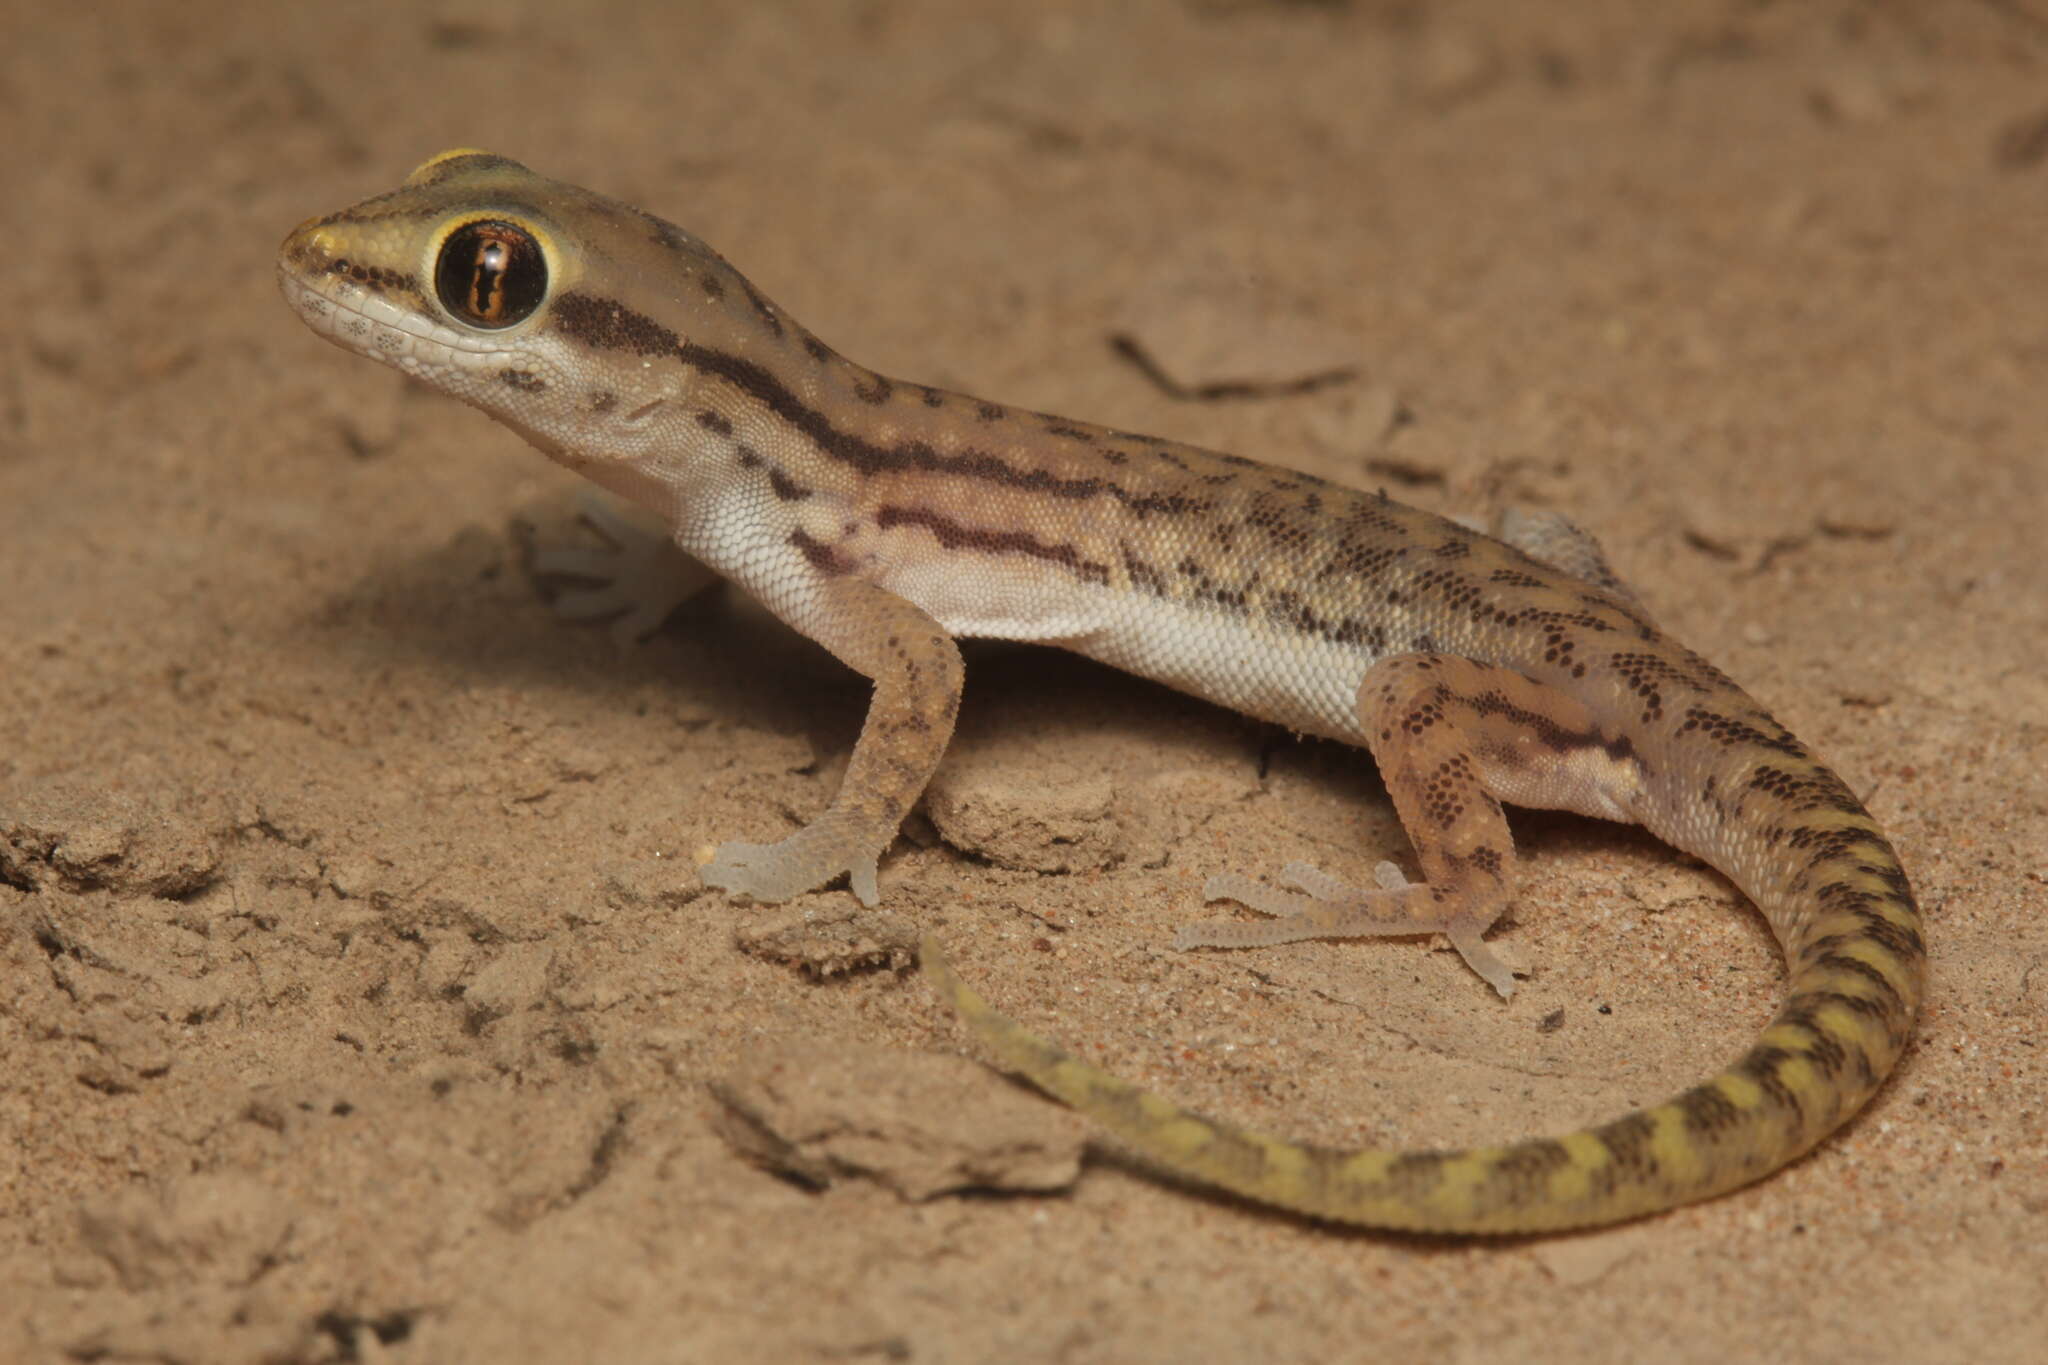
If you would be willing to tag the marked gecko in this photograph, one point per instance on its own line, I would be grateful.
(885, 519)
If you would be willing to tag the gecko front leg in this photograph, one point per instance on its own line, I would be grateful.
(918, 675)
(635, 581)
(1453, 739)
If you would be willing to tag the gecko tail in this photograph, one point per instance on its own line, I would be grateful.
(1855, 989)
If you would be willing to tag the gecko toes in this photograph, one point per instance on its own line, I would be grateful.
(1310, 903)
(637, 577)
(806, 860)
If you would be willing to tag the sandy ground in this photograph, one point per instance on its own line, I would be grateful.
(361, 1002)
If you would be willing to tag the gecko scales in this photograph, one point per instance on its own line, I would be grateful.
(885, 519)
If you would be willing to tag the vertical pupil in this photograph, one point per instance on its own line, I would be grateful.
(487, 297)
(491, 273)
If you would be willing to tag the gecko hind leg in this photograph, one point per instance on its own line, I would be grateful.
(1453, 739)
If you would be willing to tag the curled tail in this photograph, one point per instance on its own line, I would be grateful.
(1856, 977)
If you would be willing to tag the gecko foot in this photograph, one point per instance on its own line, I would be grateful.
(1321, 906)
(806, 860)
(638, 577)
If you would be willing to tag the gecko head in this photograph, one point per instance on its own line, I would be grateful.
(533, 300)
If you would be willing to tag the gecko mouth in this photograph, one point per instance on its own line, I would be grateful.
(359, 319)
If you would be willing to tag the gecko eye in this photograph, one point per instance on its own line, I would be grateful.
(491, 273)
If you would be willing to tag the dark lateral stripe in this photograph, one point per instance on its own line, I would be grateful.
(869, 458)
(786, 488)
(823, 557)
(607, 325)
(955, 536)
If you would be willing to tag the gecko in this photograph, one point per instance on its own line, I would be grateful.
(886, 520)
